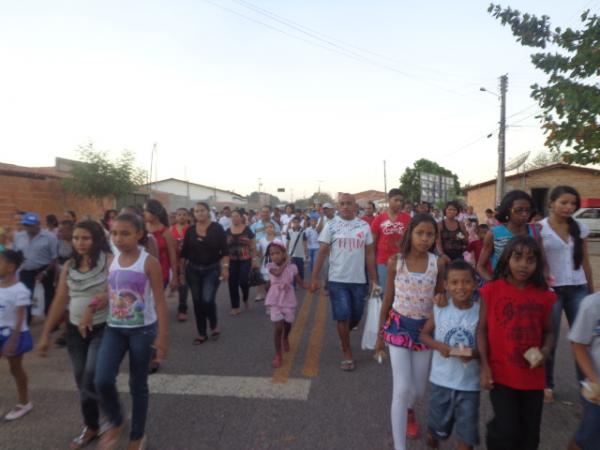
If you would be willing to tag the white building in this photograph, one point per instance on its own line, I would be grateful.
(196, 192)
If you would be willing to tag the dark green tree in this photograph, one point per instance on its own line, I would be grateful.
(410, 179)
(570, 99)
(97, 176)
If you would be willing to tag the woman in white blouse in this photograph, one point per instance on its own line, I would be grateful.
(565, 246)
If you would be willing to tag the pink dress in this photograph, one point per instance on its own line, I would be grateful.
(281, 297)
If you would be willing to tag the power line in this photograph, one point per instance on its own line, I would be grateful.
(332, 40)
(334, 48)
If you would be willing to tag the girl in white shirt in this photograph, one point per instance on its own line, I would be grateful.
(565, 246)
(15, 339)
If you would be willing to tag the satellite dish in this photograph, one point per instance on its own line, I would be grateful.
(517, 161)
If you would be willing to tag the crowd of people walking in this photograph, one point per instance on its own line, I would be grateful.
(466, 305)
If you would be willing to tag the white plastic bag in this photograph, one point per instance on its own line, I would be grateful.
(369, 338)
(38, 300)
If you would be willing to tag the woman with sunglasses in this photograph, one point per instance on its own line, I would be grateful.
(514, 213)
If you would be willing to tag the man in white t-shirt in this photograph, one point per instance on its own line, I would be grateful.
(225, 219)
(349, 243)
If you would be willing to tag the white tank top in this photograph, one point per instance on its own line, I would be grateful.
(130, 296)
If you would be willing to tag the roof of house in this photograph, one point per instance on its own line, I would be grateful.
(370, 193)
(197, 184)
(531, 172)
(31, 172)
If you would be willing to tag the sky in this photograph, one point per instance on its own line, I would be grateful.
(299, 94)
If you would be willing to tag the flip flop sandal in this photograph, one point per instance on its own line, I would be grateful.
(347, 365)
(80, 441)
(215, 335)
(110, 442)
(199, 340)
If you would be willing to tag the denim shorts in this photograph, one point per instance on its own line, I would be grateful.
(24, 344)
(588, 434)
(451, 409)
(347, 300)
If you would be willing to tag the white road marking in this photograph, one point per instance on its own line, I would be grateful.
(201, 385)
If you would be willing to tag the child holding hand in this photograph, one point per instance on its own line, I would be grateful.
(281, 297)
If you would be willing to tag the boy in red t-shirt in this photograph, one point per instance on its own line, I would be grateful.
(514, 339)
(476, 246)
(388, 229)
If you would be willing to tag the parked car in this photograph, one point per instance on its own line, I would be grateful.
(591, 218)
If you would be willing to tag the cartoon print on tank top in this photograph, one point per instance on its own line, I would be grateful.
(127, 303)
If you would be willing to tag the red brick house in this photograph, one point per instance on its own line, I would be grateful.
(39, 189)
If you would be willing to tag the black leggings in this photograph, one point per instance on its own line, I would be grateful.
(239, 277)
(517, 418)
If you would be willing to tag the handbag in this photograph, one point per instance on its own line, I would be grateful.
(371, 331)
(38, 300)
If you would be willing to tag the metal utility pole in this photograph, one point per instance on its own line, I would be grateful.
(384, 178)
(501, 140)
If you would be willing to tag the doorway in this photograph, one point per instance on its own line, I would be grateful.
(540, 200)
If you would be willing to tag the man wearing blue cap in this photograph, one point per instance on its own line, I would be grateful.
(40, 250)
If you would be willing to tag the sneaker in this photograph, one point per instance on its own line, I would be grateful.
(181, 317)
(412, 426)
(548, 396)
(259, 298)
(19, 411)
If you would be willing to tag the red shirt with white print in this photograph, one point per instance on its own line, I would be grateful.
(388, 234)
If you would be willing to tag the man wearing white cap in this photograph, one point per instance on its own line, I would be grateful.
(40, 250)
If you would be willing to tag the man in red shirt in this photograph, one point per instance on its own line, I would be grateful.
(388, 229)
(369, 214)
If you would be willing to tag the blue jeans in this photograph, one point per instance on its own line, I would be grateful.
(182, 289)
(569, 299)
(299, 263)
(450, 409)
(347, 301)
(382, 276)
(239, 278)
(115, 343)
(312, 255)
(84, 354)
(588, 434)
(203, 282)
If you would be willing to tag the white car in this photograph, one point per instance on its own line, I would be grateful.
(590, 217)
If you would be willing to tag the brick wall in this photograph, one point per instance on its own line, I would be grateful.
(482, 199)
(586, 182)
(43, 195)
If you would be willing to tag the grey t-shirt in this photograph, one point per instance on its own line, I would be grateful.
(83, 286)
(586, 329)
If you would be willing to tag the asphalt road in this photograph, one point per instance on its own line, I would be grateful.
(225, 395)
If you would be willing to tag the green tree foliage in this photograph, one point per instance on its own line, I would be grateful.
(97, 176)
(410, 180)
(570, 100)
